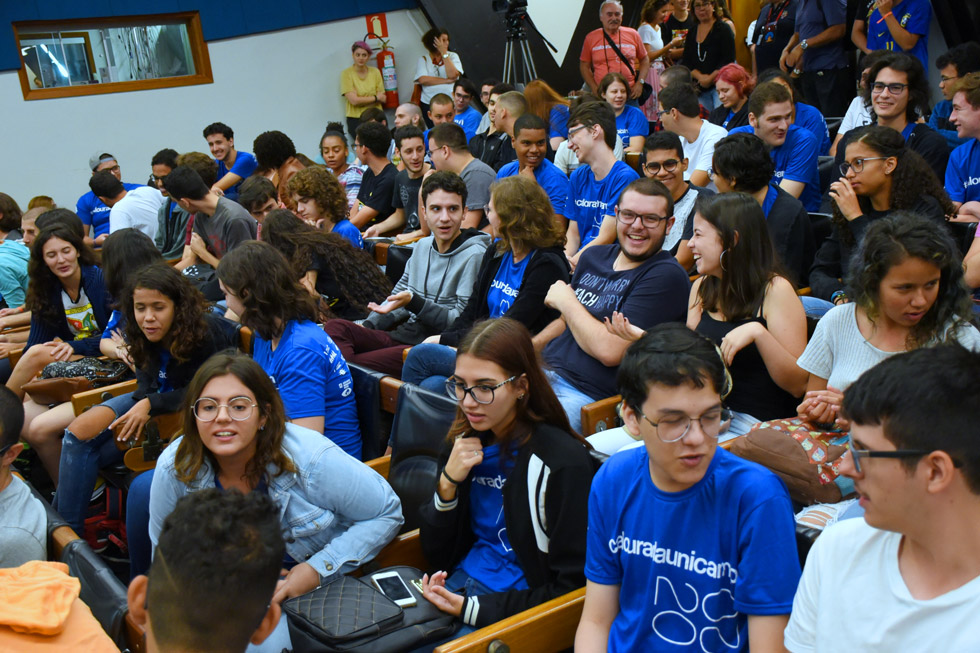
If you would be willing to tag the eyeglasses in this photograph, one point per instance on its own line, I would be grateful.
(627, 217)
(6, 449)
(660, 112)
(858, 454)
(894, 88)
(945, 80)
(239, 409)
(672, 429)
(669, 166)
(575, 130)
(481, 393)
(858, 164)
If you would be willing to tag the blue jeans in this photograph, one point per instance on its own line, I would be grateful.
(571, 399)
(815, 307)
(429, 365)
(138, 524)
(81, 461)
(709, 99)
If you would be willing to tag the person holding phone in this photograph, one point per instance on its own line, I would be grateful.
(508, 518)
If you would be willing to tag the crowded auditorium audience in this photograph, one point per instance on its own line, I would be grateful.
(681, 242)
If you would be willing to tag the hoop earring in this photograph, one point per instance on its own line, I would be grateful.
(721, 261)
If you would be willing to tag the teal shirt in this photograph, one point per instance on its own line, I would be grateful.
(14, 256)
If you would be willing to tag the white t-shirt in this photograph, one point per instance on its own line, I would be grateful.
(425, 68)
(566, 160)
(700, 152)
(853, 598)
(138, 210)
(857, 116)
(652, 37)
(23, 525)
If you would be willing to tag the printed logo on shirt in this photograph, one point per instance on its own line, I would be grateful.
(504, 287)
(590, 204)
(496, 482)
(599, 293)
(661, 556)
(970, 181)
(779, 174)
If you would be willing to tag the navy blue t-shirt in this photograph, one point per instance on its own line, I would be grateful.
(656, 291)
(589, 200)
(549, 177)
(313, 379)
(691, 565)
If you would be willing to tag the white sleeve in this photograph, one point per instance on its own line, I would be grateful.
(852, 117)
(800, 635)
(456, 62)
(421, 69)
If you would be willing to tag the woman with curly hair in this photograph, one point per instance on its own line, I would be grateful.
(880, 175)
(320, 201)
(515, 275)
(305, 364)
(336, 513)
(170, 332)
(334, 150)
(545, 102)
(344, 277)
(734, 86)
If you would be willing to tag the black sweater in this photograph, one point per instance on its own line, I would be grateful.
(545, 267)
(556, 470)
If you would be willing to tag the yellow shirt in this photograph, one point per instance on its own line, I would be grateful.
(372, 84)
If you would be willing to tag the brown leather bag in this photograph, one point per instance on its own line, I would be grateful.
(56, 391)
(805, 457)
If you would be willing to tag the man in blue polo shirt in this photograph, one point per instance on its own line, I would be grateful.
(466, 116)
(901, 27)
(531, 145)
(234, 167)
(93, 211)
(816, 53)
(594, 186)
(793, 149)
(690, 548)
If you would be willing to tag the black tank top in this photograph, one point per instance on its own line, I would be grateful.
(753, 390)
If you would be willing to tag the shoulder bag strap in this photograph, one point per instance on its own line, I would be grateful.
(619, 54)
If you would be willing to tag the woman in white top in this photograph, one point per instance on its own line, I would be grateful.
(909, 294)
(436, 72)
(654, 13)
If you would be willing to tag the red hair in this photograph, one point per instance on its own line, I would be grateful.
(738, 77)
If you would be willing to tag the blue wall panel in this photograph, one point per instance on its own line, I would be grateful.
(220, 19)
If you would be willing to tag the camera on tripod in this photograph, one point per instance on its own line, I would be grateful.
(501, 6)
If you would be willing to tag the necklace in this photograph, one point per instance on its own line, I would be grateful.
(701, 55)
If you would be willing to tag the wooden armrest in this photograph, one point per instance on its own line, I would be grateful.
(406, 549)
(245, 340)
(389, 393)
(380, 465)
(409, 241)
(633, 160)
(135, 635)
(60, 538)
(173, 261)
(542, 629)
(82, 401)
(405, 353)
(14, 356)
(804, 292)
(600, 415)
(381, 253)
(17, 329)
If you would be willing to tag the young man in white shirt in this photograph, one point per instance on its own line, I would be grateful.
(907, 576)
(136, 208)
(682, 115)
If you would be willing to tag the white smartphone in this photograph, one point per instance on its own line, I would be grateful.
(390, 584)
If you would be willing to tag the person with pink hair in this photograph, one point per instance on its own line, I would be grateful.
(734, 85)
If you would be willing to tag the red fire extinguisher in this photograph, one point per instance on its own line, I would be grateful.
(386, 63)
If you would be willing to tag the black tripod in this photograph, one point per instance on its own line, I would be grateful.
(517, 22)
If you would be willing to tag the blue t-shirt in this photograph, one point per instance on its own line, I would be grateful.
(245, 165)
(491, 560)
(347, 229)
(115, 323)
(506, 284)
(963, 173)
(469, 120)
(810, 119)
(631, 122)
(313, 379)
(558, 121)
(914, 16)
(796, 160)
(691, 565)
(549, 177)
(590, 200)
(94, 213)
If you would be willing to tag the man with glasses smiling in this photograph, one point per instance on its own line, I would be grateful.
(908, 574)
(634, 276)
(898, 93)
(690, 548)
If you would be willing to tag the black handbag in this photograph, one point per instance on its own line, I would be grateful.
(647, 89)
(348, 615)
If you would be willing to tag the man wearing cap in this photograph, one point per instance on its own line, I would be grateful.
(93, 211)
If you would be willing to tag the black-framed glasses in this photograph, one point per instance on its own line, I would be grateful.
(858, 164)
(669, 166)
(6, 449)
(239, 408)
(671, 429)
(894, 88)
(481, 392)
(946, 80)
(575, 130)
(858, 454)
(649, 220)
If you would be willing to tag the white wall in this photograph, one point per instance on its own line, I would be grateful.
(287, 80)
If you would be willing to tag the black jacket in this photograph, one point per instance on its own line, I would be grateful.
(792, 235)
(494, 149)
(545, 267)
(556, 470)
(222, 334)
(720, 113)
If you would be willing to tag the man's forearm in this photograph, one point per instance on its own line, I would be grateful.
(548, 334)
(591, 336)
(829, 35)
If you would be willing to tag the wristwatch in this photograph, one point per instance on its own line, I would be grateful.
(804, 45)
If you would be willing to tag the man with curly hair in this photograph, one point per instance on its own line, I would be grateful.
(321, 202)
(275, 154)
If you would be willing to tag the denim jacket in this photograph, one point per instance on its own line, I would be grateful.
(336, 512)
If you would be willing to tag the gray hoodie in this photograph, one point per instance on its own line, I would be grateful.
(441, 284)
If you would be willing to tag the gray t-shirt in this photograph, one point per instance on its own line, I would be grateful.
(839, 353)
(23, 526)
(478, 176)
(230, 225)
